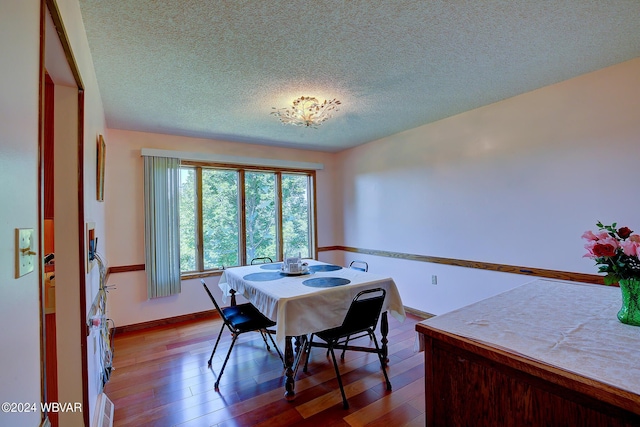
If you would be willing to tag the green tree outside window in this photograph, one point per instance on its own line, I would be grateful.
(211, 220)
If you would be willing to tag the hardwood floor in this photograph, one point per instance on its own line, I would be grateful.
(160, 378)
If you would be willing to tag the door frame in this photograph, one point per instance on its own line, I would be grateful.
(51, 7)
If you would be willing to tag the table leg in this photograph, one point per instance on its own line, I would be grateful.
(384, 330)
(233, 297)
(288, 362)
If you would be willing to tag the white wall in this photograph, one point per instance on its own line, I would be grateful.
(19, 315)
(516, 182)
(20, 377)
(124, 190)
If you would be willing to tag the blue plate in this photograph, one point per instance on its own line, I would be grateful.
(326, 282)
(263, 277)
(324, 267)
(276, 266)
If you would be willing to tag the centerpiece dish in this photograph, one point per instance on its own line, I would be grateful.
(297, 269)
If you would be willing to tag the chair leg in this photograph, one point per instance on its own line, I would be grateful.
(345, 404)
(346, 343)
(344, 350)
(215, 346)
(306, 362)
(226, 359)
(277, 348)
(264, 338)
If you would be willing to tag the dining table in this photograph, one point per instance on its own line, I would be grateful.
(304, 303)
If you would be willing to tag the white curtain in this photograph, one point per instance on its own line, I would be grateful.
(161, 230)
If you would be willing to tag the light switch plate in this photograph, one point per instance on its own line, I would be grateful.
(25, 253)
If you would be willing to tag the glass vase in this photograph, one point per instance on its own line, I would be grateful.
(630, 311)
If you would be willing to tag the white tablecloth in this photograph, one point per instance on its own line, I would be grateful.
(568, 325)
(299, 309)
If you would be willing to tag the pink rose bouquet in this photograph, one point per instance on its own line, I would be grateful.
(616, 252)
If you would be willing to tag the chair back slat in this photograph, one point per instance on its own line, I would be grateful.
(364, 311)
(215, 303)
(359, 265)
(261, 260)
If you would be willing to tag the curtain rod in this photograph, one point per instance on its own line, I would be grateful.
(235, 160)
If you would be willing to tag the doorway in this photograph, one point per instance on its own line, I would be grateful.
(48, 286)
(62, 285)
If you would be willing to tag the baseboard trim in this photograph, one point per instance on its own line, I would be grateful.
(209, 314)
(418, 313)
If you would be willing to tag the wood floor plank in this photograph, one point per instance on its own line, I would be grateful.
(419, 421)
(399, 416)
(387, 404)
(161, 378)
(375, 379)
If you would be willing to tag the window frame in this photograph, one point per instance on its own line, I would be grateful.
(241, 169)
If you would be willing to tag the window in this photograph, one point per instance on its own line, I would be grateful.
(228, 216)
(260, 215)
(295, 215)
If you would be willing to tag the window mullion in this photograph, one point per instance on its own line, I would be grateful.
(242, 235)
(279, 234)
(199, 226)
(313, 215)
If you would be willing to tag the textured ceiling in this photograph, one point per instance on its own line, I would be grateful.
(214, 69)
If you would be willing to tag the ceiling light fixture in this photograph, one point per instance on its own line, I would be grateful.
(306, 111)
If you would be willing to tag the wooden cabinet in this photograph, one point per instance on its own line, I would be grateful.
(493, 364)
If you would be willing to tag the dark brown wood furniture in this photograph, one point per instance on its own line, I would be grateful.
(544, 354)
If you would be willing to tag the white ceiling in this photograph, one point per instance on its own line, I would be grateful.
(214, 69)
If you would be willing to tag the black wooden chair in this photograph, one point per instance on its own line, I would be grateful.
(240, 319)
(261, 260)
(359, 265)
(360, 321)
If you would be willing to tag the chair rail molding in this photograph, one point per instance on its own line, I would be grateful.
(503, 268)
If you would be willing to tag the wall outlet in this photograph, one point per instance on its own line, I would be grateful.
(434, 280)
(25, 253)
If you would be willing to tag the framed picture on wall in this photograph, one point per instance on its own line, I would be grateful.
(100, 169)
